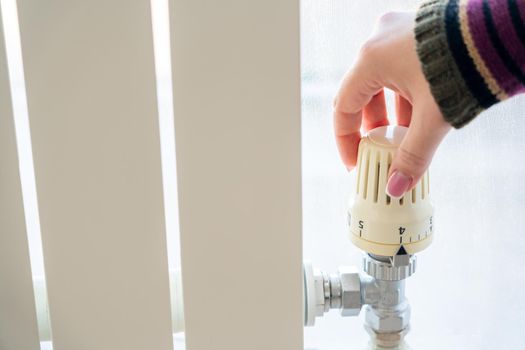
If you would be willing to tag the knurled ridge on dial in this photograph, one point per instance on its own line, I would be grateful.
(385, 271)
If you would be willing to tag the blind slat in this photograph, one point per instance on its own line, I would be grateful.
(18, 326)
(91, 96)
(236, 97)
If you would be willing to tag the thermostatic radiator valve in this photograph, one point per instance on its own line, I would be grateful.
(389, 231)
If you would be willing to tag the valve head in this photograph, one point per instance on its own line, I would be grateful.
(379, 224)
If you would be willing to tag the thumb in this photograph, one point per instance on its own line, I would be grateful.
(415, 153)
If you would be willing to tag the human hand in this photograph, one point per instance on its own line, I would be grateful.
(389, 60)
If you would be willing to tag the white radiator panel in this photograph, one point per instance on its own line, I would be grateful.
(91, 95)
(18, 325)
(237, 128)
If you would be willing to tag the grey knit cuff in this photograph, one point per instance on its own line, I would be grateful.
(456, 102)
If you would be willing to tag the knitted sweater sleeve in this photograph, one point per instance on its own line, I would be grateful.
(472, 53)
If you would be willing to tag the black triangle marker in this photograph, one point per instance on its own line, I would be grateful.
(401, 251)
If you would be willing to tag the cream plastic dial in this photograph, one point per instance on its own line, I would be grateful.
(380, 224)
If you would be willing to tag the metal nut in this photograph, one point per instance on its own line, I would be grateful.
(350, 291)
(387, 340)
(387, 322)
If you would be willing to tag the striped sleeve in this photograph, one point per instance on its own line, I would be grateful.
(472, 53)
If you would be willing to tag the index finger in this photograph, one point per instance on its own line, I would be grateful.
(357, 89)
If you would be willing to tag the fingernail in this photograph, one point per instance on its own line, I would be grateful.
(398, 184)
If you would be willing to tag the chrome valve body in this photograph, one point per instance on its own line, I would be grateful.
(380, 290)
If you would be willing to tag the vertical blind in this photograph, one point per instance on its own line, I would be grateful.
(236, 83)
(18, 326)
(90, 85)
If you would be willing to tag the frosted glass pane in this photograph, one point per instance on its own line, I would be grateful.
(467, 292)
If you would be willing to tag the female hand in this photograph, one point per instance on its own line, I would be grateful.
(389, 60)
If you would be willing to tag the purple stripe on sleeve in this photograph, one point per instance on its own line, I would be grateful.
(476, 21)
(521, 9)
(507, 32)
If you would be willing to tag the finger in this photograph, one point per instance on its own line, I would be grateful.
(348, 146)
(415, 152)
(403, 110)
(374, 113)
(355, 92)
